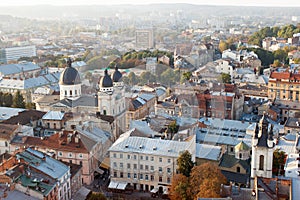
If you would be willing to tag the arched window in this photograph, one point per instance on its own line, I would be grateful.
(240, 155)
(65, 92)
(238, 169)
(71, 93)
(261, 162)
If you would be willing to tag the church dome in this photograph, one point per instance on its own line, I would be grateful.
(106, 81)
(116, 75)
(70, 75)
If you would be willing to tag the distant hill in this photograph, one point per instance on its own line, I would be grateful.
(94, 11)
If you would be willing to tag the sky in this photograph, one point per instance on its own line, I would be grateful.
(280, 3)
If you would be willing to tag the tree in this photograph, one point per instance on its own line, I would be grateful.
(133, 79)
(225, 78)
(206, 180)
(180, 188)
(18, 100)
(223, 46)
(185, 163)
(96, 196)
(277, 63)
(147, 77)
(280, 55)
(278, 162)
(7, 99)
(185, 77)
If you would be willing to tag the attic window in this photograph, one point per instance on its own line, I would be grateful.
(141, 146)
(154, 148)
(126, 146)
(169, 150)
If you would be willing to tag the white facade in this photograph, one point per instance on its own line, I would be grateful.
(70, 91)
(224, 67)
(146, 163)
(262, 151)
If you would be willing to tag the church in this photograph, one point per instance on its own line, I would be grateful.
(108, 101)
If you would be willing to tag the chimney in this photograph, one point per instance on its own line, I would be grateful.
(69, 138)
(77, 137)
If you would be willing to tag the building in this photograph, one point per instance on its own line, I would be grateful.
(284, 85)
(144, 38)
(111, 98)
(38, 175)
(22, 70)
(86, 147)
(7, 133)
(145, 163)
(262, 150)
(14, 53)
(70, 83)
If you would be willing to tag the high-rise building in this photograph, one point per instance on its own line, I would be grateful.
(144, 38)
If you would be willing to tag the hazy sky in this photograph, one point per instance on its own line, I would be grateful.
(290, 3)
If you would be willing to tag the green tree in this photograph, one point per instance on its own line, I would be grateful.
(280, 55)
(1, 98)
(18, 100)
(147, 77)
(278, 162)
(225, 78)
(133, 79)
(30, 105)
(7, 100)
(180, 188)
(185, 77)
(185, 163)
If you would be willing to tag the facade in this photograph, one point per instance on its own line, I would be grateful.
(144, 38)
(284, 86)
(86, 147)
(145, 163)
(14, 53)
(139, 107)
(262, 150)
(7, 133)
(111, 99)
(42, 176)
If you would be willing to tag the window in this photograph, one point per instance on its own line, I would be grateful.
(121, 165)
(160, 159)
(152, 158)
(141, 176)
(168, 180)
(80, 155)
(71, 93)
(146, 167)
(80, 162)
(115, 155)
(70, 155)
(115, 174)
(238, 169)
(128, 156)
(141, 166)
(115, 164)
(240, 155)
(160, 169)
(231, 149)
(134, 166)
(146, 157)
(160, 179)
(75, 92)
(169, 160)
(121, 155)
(134, 175)
(152, 168)
(121, 174)
(169, 170)
(60, 153)
(65, 92)
(128, 165)
(152, 178)
(146, 177)
(261, 162)
(128, 175)
(134, 157)
(141, 157)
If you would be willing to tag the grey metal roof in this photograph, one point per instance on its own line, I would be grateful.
(132, 144)
(18, 68)
(209, 152)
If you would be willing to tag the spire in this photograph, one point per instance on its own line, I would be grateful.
(69, 62)
(256, 131)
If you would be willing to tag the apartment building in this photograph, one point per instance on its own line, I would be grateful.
(145, 163)
(284, 85)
